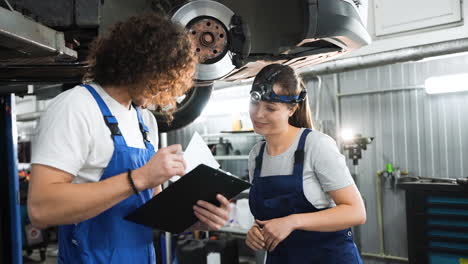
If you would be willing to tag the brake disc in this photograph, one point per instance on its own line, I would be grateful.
(208, 23)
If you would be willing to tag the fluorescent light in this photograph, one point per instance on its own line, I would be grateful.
(347, 134)
(447, 83)
(226, 107)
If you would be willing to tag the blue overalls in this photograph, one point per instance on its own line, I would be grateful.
(282, 195)
(107, 237)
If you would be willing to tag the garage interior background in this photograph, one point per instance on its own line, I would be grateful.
(417, 132)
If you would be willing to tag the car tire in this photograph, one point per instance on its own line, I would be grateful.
(187, 110)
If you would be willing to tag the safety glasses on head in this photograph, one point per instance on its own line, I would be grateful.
(262, 90)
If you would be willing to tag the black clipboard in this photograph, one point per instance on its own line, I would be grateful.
(172, 209)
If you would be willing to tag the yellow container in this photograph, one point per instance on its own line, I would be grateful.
(236, 122)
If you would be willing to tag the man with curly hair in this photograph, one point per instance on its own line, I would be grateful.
(94, 159)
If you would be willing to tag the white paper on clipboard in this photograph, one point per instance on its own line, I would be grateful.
(196, 153)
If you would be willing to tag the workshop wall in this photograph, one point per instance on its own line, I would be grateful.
(415, 131)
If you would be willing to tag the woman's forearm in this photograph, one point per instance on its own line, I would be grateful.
(337, 218)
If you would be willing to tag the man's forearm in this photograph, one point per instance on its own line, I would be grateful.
(61, 203)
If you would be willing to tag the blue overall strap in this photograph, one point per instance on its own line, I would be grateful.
(299, 154)
(259, 161)
(109, 119)
(143, 128)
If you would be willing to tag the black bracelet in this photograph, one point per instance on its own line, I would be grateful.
(130, 180)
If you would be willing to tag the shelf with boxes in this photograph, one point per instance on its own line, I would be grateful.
(232, 148)
(231, 143)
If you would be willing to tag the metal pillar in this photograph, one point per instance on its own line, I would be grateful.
(10, 221)
(163, 144)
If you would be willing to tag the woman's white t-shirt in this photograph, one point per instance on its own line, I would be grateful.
(324, 167)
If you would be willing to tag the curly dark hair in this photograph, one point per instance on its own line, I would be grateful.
(149, 54)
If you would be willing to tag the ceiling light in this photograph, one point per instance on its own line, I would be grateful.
(447, 83)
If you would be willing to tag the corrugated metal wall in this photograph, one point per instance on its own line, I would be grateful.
(419, 133)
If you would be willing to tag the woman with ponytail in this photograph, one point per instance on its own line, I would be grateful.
(303, 197)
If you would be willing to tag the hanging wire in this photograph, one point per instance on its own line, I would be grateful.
(9, 6)
(317, 96)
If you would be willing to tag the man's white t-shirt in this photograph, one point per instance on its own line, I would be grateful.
(73, 137)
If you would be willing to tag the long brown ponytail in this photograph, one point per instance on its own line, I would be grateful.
(302, 117)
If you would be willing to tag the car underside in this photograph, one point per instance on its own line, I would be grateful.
(44, 44)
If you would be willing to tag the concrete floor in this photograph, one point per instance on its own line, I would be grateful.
(51, 256)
